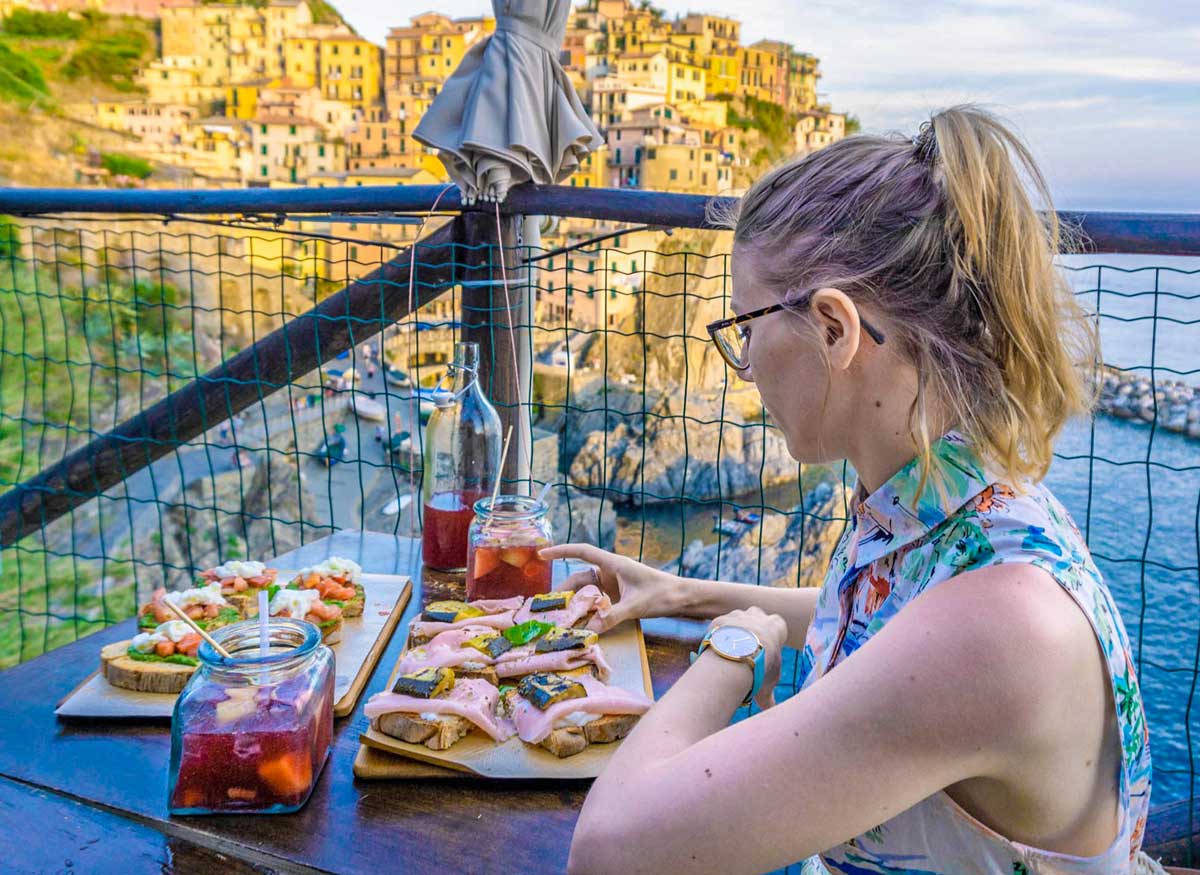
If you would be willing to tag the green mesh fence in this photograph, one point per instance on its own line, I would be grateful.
(650, 444)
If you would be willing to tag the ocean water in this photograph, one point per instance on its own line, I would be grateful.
(1133, 490)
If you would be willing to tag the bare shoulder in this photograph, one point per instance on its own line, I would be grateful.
(996, 663)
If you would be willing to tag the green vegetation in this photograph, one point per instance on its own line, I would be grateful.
(853, 125)
(126, 165)
(771, 121)
(21, 79)
(52, 25)
(67, 354)
(112, 57)
(47, 601)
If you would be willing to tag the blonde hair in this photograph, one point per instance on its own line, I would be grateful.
(938, 234)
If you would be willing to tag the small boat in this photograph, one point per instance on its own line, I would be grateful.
(741, 521)
(369, 409)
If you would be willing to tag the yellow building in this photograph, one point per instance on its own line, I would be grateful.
(351, 70)
(301, 61)
(242, 100)
(593, 170)
(158, 125)
(645, 70)
(216, 147)
(178, 80)
(685, 81)
(230, 43)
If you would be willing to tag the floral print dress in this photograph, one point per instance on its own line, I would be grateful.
(896, 546)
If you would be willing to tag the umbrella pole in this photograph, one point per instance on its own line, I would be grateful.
(529, 237)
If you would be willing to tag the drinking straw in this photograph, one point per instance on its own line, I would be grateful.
(503, 456)
(545, 491)
(181, 615)
(264, 618)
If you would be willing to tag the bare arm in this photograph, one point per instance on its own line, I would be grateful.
(639, 591)
(852, 750)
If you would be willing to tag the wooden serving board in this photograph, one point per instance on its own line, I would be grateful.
(477, 755)
(355, 658)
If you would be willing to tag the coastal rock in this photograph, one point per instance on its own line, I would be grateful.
(702, 452)
(783, 550)
(1171, 405)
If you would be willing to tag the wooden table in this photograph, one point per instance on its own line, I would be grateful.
(90, 796)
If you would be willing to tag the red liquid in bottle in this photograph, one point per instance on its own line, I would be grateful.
(500, 572)
(264, 761)
(448, 517)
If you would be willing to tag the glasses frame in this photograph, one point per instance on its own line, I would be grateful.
(715, 328)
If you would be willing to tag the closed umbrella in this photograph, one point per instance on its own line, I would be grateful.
(509, 114)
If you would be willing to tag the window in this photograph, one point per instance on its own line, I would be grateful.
(633, 266)
(674, 174)
(292, 130)
(618, 134)
(354, 253)
(263, 149)
(591, 292)
(263, 129)
(651, 154)
(357, 50)
(320, 151)
(263, 170)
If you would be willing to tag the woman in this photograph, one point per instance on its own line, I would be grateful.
(969, 704)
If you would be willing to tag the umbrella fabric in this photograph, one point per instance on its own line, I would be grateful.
(509, 114)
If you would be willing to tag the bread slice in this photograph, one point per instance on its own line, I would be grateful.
(609, 728)
(566, 742)
(331, 632)
(121, 670)
(570, 740)
(434, 734)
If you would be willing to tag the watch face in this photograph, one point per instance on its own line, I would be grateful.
(734, 641)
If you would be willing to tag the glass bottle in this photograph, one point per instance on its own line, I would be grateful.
(504, 542)
(462, 462)
(251, 734)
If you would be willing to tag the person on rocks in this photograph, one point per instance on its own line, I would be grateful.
(966, 701)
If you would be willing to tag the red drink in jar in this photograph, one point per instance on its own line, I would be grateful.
(448, 517)
(505, 539)
(251, 734)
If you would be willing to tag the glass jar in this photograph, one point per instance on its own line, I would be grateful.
(462, 462)
(505, 538)
(250, 734)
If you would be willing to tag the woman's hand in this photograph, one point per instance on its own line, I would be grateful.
(636, 590)
(772, 632)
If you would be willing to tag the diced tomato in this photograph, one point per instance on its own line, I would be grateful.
(164, 648)
(287, 775)
(189, 644)
(517, 557)
(258, 580)
(196, 612)
(240, 585)
(486, 560)
(212, 611)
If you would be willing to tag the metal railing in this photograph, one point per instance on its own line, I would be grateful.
(165, 397)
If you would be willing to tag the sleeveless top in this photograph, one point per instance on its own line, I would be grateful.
(895, 547)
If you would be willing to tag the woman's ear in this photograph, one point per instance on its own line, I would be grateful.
(837, 320)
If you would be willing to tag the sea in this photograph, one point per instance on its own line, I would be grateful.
(1133, 490)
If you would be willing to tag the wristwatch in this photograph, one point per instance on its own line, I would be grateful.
(737, 644)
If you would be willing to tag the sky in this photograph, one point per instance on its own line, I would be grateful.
(1106, 92)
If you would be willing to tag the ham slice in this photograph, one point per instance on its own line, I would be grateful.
(472, 699)
(524, 660)
(534, 726)
(584, 602)
(447, 650)
(498, 615)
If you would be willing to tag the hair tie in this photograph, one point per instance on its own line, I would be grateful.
(925, 144)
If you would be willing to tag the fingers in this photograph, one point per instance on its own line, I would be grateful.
(614, 616)
(578, 580)
(586, 552)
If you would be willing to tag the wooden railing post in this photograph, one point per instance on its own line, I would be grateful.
(491, 319)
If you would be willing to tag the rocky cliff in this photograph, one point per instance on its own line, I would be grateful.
(782, 550)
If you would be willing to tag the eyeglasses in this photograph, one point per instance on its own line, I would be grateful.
(732, 336)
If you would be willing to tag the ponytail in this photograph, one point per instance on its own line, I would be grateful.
(939, 235)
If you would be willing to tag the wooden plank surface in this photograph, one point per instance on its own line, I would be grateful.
(70, 838)
(348, 826)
